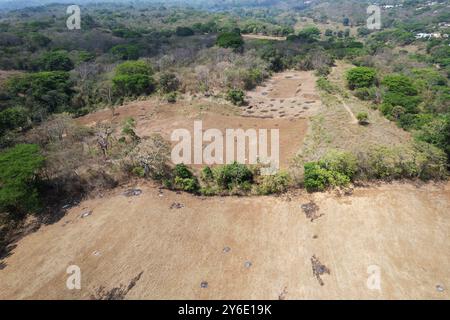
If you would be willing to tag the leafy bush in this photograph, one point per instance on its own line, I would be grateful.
(12, 118)
(420, 160)
(138, 171)
(232, 175)
(19, 167)
(400, 91)
(184, 179)
(399, 84)
(133, 78)
(361, 77)
(207, 174)
(186, 184)
(363, 118)
(232, 40)
(340, 161)
(318, 178)
(42, 93)
(367, 94)
(309, 34)
(182, 171)
(325, 85)
(436, 132)
(128, 129)
(236, 96)
(55, 61)
(171, 97)
(134, 67)
(209, 191)
(274, 184)
(168, 82)
(334, 169)
(184, 32)
(125, 51)
(133, 85)
(125, 33)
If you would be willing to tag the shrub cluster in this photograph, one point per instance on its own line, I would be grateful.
(236, 96)
(420, 160)
(334, 170)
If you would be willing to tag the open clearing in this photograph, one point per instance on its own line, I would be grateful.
(284, 102)
(263, 37)
(168, 245)
(289, 94)
(243, 248)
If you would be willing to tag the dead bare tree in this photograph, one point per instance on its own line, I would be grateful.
(153, 155)
(103, 140)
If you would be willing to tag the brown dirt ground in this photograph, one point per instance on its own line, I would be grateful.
(262, 37)
(153, 116)
(289, 94)
(401, 228)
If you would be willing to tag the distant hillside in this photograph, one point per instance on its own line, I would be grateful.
(209, 4)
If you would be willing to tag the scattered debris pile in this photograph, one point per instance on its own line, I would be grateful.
(176, 205)
(283, 294)
(118, 293)
(311, 211)
(132, 193)
(319, 269)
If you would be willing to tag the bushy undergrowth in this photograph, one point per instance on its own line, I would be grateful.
(325, 85)
(419, 160)
(229, 179)
(336, 169)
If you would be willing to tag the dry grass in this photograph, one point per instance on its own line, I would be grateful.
(332, 127)
(401, 228)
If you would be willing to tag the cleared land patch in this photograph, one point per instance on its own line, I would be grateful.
(179, 254)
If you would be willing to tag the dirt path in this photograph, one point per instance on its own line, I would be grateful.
(242, 248)
(350, 112)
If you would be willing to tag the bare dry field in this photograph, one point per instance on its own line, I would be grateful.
(154, 117)
(5, 74)
(263, 37)
(289, 94)
(242, 248)
(169, 245)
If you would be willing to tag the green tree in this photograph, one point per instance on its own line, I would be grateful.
(232, 40)
(360, 77)
(41, 93)
(133, 78)
(125, 51)
(236, 96)
(55, 61)
(168, 82)
(184, 32)
(12, 118)
(19, 167)
(400, 91)
(309, 34)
